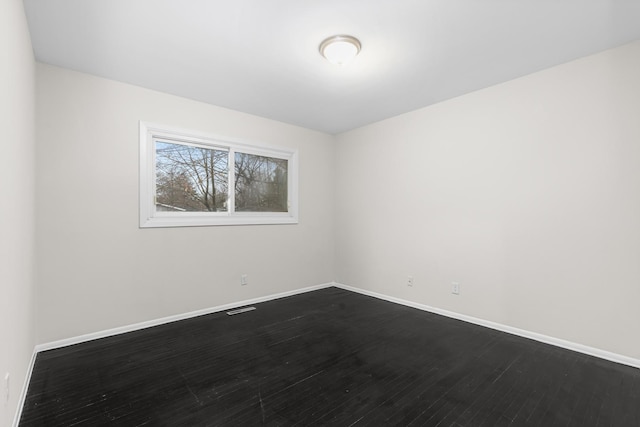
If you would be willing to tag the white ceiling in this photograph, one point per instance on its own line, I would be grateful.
(261, 57)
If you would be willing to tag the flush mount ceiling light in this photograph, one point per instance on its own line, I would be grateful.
(340, 49)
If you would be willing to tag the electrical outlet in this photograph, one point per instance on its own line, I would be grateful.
(455, 288)
(410, 281)
(5, 391)
(244, 280)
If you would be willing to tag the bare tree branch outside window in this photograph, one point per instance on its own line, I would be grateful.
(195, 179)
(192, 179)
(188, 179)
(260, 183)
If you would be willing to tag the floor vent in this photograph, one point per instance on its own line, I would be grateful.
(240, 310)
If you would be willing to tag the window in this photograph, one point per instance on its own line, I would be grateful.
(190, 180)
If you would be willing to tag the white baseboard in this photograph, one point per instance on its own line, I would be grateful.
(23, 393)
(143, 325)
(603, 354)
(580, 348)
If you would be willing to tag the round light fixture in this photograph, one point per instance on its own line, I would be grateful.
(340, 49)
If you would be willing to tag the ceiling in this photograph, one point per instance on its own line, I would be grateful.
(261, 57)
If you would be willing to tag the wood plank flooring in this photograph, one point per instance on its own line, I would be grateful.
(327, 358)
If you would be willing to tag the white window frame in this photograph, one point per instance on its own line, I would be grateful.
(150, 218)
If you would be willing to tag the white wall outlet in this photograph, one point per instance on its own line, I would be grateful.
(410, 281)
(244, 280)
(455, 288)
(5, 389)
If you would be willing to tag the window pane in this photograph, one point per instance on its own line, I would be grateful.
(190, 179)
(261, 183)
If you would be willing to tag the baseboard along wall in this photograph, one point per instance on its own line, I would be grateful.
(143, 325)
(592, 351)
(580, 348)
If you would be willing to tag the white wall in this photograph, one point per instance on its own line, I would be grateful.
(526, 193)
(17, 109)
(97, 270)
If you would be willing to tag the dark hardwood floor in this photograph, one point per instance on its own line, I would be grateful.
(329, 357)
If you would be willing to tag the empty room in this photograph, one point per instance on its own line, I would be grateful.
(347, 213)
